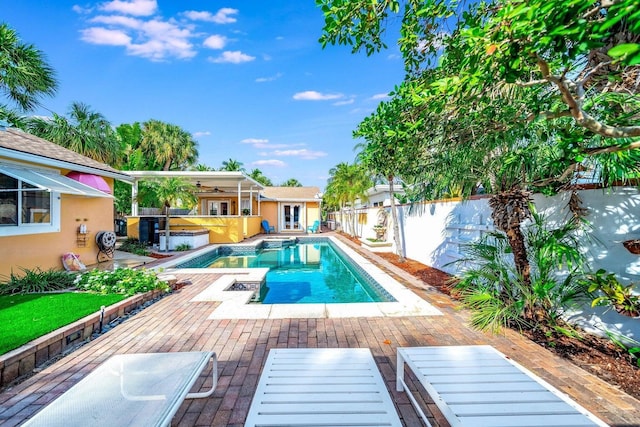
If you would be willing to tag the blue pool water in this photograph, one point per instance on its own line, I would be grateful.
(313, 272)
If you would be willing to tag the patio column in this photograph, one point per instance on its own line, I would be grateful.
(134, 198)
(251, 200)
(239, 198)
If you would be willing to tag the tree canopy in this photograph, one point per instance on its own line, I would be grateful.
(487, 79)
(170, 145)
(84, 131)
(25, 74)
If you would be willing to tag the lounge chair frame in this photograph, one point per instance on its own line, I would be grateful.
(479, 386)
(130, 390)
(321, 386)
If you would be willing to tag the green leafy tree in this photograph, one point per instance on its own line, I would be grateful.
(291, 182)
(388, 152)
(169, 192)
(84, 131)
(479, 87)
(169, 145)
(232, 165)
(578, 60)
(25, 74)
(257, 175)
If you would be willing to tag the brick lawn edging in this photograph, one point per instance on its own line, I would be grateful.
(23, 360)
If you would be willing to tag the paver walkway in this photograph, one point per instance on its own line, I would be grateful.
(176, 324)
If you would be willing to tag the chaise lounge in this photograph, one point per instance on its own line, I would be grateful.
(476, 385)
(130, 390)
(321, 386)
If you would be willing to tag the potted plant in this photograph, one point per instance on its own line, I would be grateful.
(379, 230)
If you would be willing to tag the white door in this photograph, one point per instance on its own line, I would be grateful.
(291, 217)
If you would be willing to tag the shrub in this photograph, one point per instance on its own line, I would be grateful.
(498, 296)
(120, 281)
(134, 246)
(183, 247)
(612, 293)
(37, 280)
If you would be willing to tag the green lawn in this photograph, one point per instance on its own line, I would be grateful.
(26, 317)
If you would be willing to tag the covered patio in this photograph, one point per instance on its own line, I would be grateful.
(228, 209)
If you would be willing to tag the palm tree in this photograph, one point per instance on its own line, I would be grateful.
(201, 167)
(257, 175)
(25, 74)
(291, 182)
(170, 192)
(85, 131)
(232, 165)
(171, 146)
(348, 183)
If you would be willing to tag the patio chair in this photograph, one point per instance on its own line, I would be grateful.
(321, 386)
(143, 389)
(313, 228)
(476, 385)
(267, 228)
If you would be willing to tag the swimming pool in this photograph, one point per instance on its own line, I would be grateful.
(300, 271)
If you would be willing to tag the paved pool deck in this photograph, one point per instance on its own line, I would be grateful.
(181, 322)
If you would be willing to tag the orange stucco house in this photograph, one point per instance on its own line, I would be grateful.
(291, 209)
(52, 201)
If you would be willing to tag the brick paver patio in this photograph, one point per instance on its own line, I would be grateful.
(176, 324)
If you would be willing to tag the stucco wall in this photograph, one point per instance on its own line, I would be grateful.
(269, 211)
(45, 250)
(434, 232)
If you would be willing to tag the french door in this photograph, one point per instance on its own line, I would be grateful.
(291, 217)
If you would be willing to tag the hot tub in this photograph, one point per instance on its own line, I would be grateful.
(193, 238)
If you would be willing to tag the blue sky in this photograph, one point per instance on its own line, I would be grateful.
(247, 78)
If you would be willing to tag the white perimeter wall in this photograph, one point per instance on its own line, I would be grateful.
(433, 234)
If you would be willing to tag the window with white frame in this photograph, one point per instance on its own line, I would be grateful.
(24, 208)
(245, 206)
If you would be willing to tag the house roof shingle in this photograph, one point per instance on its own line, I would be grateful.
(291, 193)
(19, 141)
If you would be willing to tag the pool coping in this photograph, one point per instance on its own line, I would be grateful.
(234, 304)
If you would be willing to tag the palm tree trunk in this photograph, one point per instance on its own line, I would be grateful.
(509, 210)
(394, 219)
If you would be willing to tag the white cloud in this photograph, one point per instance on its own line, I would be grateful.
(303, 154)
(118, 20)
(223, 16)
(155, 39)
(272, 162)
(268, 79)
(81, 10)
(312, 95)
(345, 102)
(133, 7)
(256, 142)
(98, 35)
(234, 57)
(201, 133)
(380, 96)
(215, 42)
(135, 25)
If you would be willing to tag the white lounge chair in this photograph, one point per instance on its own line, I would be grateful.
(321, 386)
(130, 390)
(477, 385)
